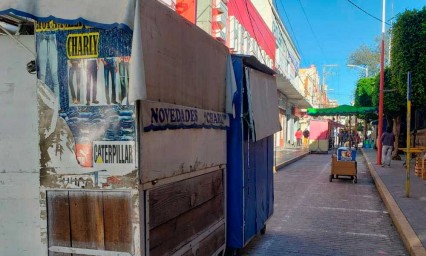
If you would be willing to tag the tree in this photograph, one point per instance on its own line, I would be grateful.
(369, 56)
(408, 53)
(364, 98)
(366, 56)
(394, 105)
(364, 95)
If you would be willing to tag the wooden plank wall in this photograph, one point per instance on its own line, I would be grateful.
(183, 64)
(163, 155)
(210, 244)
(89, 220)
(180, 211)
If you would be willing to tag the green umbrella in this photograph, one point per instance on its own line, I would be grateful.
(343, 110)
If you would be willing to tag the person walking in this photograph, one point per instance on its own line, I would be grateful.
(388, 140)
(357, 138)
(306, 137)
(340, 137)
(298, 136)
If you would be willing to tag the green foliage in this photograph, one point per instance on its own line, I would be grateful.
(394, 102)
(364, 96)
(408, 53)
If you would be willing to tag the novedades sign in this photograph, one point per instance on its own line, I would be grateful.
(161, 116)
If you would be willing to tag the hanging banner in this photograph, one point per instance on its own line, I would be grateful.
(83, 98)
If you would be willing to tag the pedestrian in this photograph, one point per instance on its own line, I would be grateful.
(345, 137)
(340, 137)
(299, 135)
(306, 137)
(388, 140)
(357, 139)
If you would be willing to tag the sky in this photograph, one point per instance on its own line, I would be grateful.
(332, 31)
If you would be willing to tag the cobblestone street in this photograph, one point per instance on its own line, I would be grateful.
(315, 217)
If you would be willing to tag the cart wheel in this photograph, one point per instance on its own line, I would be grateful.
(331, 177)
(355, 180)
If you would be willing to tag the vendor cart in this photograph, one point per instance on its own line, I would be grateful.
(344, 164)
(322, 135)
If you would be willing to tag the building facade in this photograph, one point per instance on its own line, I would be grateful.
(255, 28)
(292, 98)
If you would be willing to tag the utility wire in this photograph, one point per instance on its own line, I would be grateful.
(238, 10)
(291, 27)
(364, 11)
(313, 31)
(254, 32)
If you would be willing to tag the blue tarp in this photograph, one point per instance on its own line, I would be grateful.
(250, 197)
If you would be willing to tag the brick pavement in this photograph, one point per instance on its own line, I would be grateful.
(315, 217)
(409, 214)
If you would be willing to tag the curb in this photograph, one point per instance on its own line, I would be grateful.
(281, 165)
(411, 241)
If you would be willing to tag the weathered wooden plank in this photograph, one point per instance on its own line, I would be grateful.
(175, 152)
(172, 235)
(58, 216)
(212, 243)
(178, 53)
(118, 224)
(209, 245)
(170, 201)
(87, 220)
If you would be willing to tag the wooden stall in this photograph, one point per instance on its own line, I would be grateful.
(182, 163)
(322, 135)
(118, 177)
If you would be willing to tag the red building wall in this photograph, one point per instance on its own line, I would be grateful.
(250, 19)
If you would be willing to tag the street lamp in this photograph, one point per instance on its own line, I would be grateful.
(361, 67)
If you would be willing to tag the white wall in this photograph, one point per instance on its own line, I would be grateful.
(19, 171)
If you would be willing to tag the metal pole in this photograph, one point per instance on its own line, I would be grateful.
(407, 173)
(382, 85)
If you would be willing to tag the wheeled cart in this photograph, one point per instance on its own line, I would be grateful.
(343, 168)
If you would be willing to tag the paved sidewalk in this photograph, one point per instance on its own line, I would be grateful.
(408, 214)
(313, 216)
(286, 156)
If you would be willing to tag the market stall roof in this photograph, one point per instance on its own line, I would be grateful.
(343, 110)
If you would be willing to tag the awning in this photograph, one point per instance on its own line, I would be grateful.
(343, 110)
(96, 14)
(293, 95)
(263, 103)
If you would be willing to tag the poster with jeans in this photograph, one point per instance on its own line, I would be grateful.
(86, 122)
